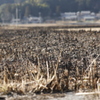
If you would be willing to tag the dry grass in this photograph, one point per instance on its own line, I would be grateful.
(37, 81)
(48, 60)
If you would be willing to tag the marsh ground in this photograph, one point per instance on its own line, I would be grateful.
(24, 51)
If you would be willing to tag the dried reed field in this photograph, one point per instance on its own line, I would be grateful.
(46, 59)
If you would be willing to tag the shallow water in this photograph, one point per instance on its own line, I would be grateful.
(64, 96)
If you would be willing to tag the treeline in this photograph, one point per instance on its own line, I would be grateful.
(45, 8)
(11, 1)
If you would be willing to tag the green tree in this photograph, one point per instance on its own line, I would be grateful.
(27, 11)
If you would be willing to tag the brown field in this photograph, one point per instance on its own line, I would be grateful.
(54, 25)
(45, 59)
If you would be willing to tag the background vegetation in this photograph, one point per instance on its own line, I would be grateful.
(45, 8)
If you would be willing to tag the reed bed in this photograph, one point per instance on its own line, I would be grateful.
(42, 60)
